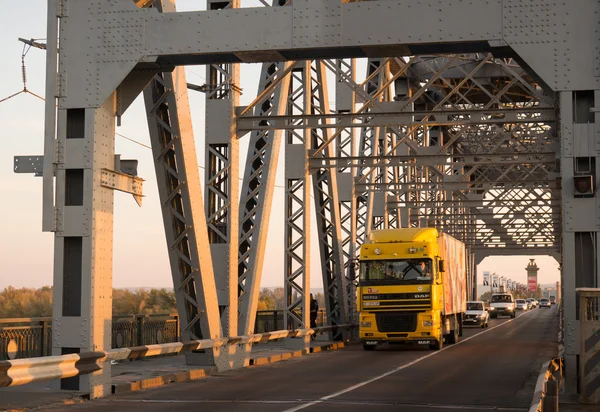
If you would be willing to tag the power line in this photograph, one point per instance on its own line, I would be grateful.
(148, 147)
(134, 141)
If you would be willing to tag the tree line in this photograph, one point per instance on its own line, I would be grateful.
(33, 303)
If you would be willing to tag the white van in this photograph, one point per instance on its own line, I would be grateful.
(502, 304)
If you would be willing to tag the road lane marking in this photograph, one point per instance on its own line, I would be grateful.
(398, 369)
(339, 403)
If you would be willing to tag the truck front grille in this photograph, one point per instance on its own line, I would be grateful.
(396, 321)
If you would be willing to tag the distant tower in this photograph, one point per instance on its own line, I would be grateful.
(532, 270)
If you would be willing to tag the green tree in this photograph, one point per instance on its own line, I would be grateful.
(25, 302)
(486, 296)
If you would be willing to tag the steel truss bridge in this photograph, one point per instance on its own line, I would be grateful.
(474, 117)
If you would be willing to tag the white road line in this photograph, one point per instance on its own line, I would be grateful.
(398, 369)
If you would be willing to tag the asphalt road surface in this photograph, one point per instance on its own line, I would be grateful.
(489, 369)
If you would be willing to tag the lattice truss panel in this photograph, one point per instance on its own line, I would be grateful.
(327, 206)
(297, 196)
(258, 185)
(218, 196)
(469, 147)
(168, 152)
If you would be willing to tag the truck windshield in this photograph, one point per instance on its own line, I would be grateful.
(402, 272)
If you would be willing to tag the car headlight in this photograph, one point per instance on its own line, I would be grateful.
(492, 308)
(365, 324)
(427, 323)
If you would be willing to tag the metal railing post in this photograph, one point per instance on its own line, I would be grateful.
(140, 334)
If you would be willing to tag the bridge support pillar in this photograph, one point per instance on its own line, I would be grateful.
(234, 357)
(83, 242)
(581, 217)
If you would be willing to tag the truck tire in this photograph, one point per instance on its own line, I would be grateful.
(368, 347)
(453, 336)
(438, 345)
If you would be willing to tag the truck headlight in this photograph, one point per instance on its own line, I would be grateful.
(365, 324)
(427, 323)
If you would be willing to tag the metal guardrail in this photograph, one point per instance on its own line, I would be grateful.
(24, 371)
(550, 380)
(32, 337)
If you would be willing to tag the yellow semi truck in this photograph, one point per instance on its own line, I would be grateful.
(412, 288)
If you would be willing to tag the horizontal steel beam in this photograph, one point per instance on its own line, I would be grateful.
(124, 183)
(433, 160)
(552, 202)
(433, 186)
(503, 215)
(33, 164)
(443, 118)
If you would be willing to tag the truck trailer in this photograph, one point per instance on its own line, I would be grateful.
(412, 288)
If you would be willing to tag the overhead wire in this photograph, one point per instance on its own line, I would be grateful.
(148, 147)
(27, 47)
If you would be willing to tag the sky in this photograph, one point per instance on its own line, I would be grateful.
(140, 253)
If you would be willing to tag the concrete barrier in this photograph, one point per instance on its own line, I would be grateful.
(545, 395)
(30, 370)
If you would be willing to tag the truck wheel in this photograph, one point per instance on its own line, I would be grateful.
(438, 345)
(368, 347)
(453, 337)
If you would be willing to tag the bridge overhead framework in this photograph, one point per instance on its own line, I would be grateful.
(479, 118)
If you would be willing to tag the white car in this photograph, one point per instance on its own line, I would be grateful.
(476, 314)
(545, 303)
(522, 304)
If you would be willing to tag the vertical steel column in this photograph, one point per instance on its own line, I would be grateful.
(297, 206)
(48, 216)
(327, 210)
(257, 190)
(345, 102)
(180, 192)
(580, 218)
(222, 180)
(377, 202)
(83, 242)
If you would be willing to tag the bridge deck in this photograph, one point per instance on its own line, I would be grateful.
(489, 369)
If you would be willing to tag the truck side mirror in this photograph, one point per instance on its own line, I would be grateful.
(442, 266)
